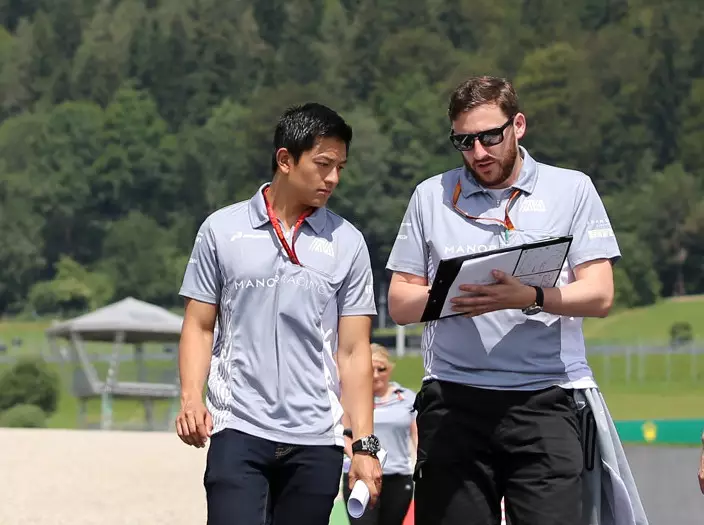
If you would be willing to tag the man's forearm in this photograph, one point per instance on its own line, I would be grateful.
(579, 299)
(194, 355)
(356, 382)
(407, 302)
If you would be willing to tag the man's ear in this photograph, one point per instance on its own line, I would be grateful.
(519, 125)
(284, 160)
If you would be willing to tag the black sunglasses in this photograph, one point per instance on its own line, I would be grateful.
(490, 137)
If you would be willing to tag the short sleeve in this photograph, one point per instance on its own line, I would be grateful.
(202, 279)
(356, 295)
(409, 253)
(592, 235)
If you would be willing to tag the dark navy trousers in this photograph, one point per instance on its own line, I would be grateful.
(253, 481)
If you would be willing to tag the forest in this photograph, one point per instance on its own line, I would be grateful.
(124, 123)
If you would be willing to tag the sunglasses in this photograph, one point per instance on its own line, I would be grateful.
(490, 137)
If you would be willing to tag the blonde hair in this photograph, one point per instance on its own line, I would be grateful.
(380, 351)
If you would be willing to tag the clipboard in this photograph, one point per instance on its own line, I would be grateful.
(537, 263)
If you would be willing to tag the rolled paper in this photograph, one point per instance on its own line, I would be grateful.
(359, 497)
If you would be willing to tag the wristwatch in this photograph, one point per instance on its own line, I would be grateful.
(537, 306)
(367, 444)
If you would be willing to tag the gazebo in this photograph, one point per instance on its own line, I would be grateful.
(126, 322)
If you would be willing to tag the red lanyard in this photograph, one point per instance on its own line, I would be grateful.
(507, 224)
(279, 232)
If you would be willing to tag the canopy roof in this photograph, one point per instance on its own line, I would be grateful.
(139, 321)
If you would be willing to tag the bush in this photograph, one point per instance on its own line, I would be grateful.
(23, 416)
(29, 382)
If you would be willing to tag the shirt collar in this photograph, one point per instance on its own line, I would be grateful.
(526, 178)
(259, 217)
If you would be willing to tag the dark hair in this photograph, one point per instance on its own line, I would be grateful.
(478, 91)
(301, 126)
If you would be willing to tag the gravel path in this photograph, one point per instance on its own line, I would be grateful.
(71, 477)
(75, 477)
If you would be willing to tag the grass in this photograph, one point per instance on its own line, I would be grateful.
(654, 398)
(637, 386)
(636, 326)
(648, 325)
(125, 411)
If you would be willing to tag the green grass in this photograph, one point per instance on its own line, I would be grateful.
(654, 398)
(649, 325)
(125, 411)
(639, 390)
(31, 333)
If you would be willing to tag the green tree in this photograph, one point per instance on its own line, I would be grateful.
(664, 90)
(141, 258)
(21, 257)
(73, 289)
(556, 91)
(101, 62)
(62, 173)
(638, 265)
(136, 168)
(691, 136)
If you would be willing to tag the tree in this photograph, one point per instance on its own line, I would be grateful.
(74, 289)
(663, 90)
(691, 136)
(21, 257)
(62, 173)
(102, 60)
(556, 92)
(641, 283)
(142, 261)
(136, 168)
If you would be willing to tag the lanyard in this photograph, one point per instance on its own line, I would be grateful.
(506, 223)
(399, 397)
(279, 232)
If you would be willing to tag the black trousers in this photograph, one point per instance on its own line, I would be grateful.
(477, 446)
(392, 506)
(253, 481)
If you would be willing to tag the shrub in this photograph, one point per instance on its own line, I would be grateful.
(29, 382)
(23, 416)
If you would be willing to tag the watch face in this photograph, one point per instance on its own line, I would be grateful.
(372, 444)
(532, 310)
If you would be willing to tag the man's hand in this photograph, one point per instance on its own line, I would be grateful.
(507, 293)
(193, 423)
(367, 469)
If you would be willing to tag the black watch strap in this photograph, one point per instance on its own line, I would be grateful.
(366, 445)
(539, 296)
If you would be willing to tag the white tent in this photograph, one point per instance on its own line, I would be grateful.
(129, 321)
(137, 320)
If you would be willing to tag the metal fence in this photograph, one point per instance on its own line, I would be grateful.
(625, 364)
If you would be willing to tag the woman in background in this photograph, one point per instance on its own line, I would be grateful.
(395, 426)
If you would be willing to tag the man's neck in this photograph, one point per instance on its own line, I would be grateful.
(285, 207)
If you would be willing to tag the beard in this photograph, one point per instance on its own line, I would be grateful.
(506, 165)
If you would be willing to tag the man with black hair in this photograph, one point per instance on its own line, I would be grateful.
(290, 285)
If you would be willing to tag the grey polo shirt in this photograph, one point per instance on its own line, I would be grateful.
(505, 349)
(273, 371)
